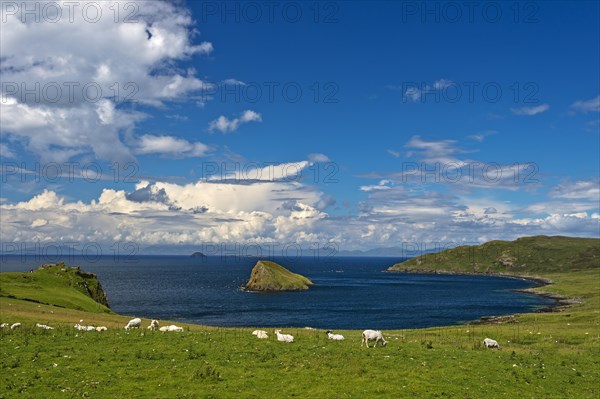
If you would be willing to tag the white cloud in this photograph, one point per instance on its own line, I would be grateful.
(414, 93)
(481, 136)
(393, 153)
(57, 134)
(383, 185)
(233, 82)
(530, 111)
(442, 84)
(171, 214)
(318, 157)
(435, 150)
(225, 125)
(289, 171)
(38, 223)
(6, 152)
(116, 61)
(162, 213)
(585, 106)
(581, 189)
(170, 146)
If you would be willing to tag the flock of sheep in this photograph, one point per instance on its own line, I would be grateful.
(367, 335)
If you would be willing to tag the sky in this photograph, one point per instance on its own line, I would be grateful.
(308, 126)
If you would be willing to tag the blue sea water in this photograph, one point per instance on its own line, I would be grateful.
(349, 292)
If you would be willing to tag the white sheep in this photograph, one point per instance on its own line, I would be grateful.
(133, 323)
(101, 328)
(4, 325)
(490, 343)
(283, 337)
(372, 335)
(172, 327)
(153, 325)
(335, 337)
(43, 326)
(16, 325)
(84, 328)
(260, 334)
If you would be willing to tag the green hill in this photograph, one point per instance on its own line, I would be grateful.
(269, 276)
(58, 285)
(537, 254)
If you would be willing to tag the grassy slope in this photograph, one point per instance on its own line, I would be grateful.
(270, 276)
(56, 285)
(551, 355)
(527, 255)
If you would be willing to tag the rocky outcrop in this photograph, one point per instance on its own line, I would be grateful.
(270, 277)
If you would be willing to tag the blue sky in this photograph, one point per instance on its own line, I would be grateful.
(506, 93)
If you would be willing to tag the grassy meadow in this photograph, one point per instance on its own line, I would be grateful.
(543, 355)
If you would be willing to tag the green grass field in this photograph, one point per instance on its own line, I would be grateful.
(544, 355)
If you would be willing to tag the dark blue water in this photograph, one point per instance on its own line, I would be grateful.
(349, 293)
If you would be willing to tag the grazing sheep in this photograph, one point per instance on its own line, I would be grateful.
(260, 334)
(153, 325)
(372, 335)
(133, 323)
(283, 337)
(101, 328)
(4, 325)
(490, 343)
(172, 327)
(335, 337)
(84, 328)
(43, 326)
(16, 325)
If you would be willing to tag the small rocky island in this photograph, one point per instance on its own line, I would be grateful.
(268, 276)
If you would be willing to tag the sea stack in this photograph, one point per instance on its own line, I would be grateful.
(270, 277)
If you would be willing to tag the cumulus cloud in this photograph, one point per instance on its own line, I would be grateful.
(161, 213)
(84, 76)
(170, 214)
(56, 134)
(225, 125)
(585, 106)
(530, 111)
(170, 146)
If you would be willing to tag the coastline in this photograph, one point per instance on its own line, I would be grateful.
(561, 302)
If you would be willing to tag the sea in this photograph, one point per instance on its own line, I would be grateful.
(349, 292)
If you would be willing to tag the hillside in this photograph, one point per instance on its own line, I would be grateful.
(544, 355)
(57, 285)
(525, 255)
(269, 276)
